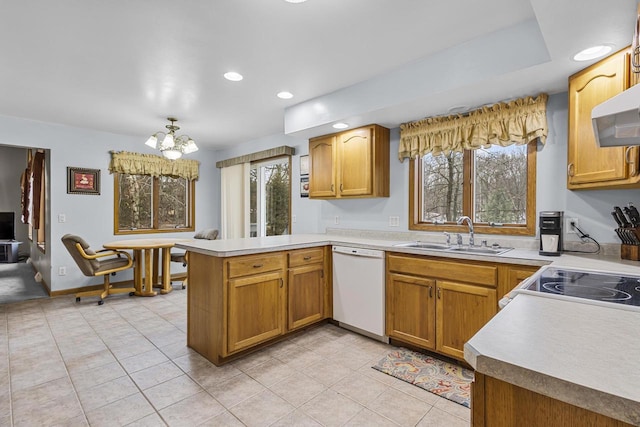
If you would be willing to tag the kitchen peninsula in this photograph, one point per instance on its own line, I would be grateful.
(559, 348)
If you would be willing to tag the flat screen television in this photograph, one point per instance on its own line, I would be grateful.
(7, 225)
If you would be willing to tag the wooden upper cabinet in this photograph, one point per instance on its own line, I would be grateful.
(591, 167)
(322, 161)
(350, 164)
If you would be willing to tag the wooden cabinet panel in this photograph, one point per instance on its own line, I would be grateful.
(306, 256)
(410, 312)
(322, 162)
(255, 264)
(356, 175)
(306, 295)
(461, 310)
(350, 164)
(588, 165)
(477, 273)
(256, 309)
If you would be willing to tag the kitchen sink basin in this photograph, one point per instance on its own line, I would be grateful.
(479, 250)
(423, 245)
(483, 250)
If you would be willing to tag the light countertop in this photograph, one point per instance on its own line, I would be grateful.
(583, 354)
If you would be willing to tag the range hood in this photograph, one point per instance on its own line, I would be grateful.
(616, 122)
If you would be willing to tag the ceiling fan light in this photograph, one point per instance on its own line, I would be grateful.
(152, 141)
(172, 154)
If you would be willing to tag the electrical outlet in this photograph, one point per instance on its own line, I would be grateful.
(62, 271)
(394, 221)
(570, 228)
(62, 218)
(294, 219)
(336, 220)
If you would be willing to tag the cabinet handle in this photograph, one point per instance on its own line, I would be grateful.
(257, 265)
(307, 258)
(632, 164)
(430, 291)
(281, 282)
(322, 274)
(439, 293)
(341, 188)
(332, 187)
(570, 169)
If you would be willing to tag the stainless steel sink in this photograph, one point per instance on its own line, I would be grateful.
(480, 250)
(423, 245)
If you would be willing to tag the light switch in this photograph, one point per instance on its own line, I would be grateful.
(62, 218)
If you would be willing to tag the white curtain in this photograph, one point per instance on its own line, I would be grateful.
(235, 201)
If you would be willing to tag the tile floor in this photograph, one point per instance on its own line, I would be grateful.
(126, 363)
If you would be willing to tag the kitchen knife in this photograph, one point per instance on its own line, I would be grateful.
(621, 217)
(627, 212)
(633, 239)
(620, 236)
(615, 216)
(624, 236)
(635, 215)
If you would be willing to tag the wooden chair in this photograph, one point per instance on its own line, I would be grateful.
(208, 234)
(94, 264)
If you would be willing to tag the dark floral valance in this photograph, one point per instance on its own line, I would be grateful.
(149, 164)
(515, 122)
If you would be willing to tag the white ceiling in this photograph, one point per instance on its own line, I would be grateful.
(123, 66)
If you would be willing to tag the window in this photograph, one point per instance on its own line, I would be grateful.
(153, 204)
(494, 186)
(270, 190)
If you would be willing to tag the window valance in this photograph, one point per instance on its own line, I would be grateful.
(515, 122)
(149, 164)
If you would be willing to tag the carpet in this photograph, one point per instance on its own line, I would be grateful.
(445, 379)
(17, 283)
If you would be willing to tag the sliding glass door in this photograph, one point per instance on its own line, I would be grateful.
(270, 186)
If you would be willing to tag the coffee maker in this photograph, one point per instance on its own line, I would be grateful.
(551, 232)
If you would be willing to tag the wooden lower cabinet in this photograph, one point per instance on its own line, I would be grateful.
(256, 309)
(410, 310)
(495, 403)
(461, 310)
(238, 303)
(439, 303)
(306, 295)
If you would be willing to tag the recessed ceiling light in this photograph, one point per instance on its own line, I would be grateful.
(285, 95)
(592, 52)
(340, 125)
(233, 76)
(295, 1)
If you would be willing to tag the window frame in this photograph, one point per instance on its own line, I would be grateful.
(155, 201)
(264, 162)
(415, 200)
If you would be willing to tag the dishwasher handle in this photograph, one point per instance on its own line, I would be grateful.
(359, 252)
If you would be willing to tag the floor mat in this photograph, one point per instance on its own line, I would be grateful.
(445, 379)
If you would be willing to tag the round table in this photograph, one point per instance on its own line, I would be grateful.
(149, 250)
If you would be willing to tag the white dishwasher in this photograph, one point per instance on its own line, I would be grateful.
(358, 290)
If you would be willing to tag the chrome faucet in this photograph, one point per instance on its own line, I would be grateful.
(470, 225)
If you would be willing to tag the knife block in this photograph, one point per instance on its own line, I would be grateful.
(630, 252)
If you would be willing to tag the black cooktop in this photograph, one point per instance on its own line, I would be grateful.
(606, 287)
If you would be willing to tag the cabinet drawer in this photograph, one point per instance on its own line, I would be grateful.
(462, 271)
(306, 256)
(254, 264)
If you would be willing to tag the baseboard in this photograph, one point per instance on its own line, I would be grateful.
(44, 284)
(70, 291)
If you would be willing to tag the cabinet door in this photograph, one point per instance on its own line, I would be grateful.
(255, 309)
(356, 162)
(461, 310)
(306, 295)
(588, 165)
(322, 160)
(410, 311)
(518, 274)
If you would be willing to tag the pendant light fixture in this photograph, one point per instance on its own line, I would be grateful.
(172, 146)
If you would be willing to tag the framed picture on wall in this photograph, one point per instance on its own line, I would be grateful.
(304, 165)
(83, 181)
(304, 186)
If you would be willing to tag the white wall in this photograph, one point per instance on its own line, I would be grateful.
(90, 216)
(592, 208)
